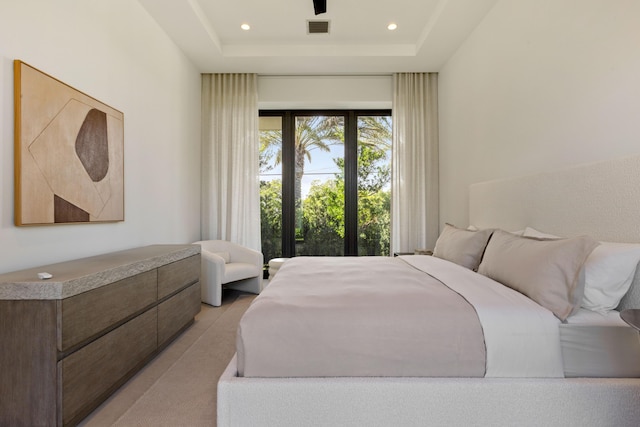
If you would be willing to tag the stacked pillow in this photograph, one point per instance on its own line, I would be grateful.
(547, 271)
(609, 272)
(559, 274)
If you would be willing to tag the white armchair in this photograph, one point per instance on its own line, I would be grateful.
(231, 265)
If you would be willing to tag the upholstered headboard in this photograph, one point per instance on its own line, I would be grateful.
(601, 200)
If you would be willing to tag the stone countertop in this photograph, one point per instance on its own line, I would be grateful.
(77, 276)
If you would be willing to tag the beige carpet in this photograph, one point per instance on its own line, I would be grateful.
(178, 387)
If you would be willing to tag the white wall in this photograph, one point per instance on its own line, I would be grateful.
(325, 92)
(540, 85)
(113, 51)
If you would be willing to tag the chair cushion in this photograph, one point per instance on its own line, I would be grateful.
(239, 270)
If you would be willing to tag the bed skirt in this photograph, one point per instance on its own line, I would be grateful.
(426, 401)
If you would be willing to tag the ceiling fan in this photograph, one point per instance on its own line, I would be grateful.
(319, 6)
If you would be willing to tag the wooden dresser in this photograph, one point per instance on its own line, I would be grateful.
(68, 342)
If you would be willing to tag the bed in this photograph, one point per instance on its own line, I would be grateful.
(571, 386)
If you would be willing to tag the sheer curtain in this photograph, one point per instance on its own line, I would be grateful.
(415, 210)
(230, 207)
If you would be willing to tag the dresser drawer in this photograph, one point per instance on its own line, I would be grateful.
(175, 276)
(177, 311)
(28, 372)
(93, 372)
(88, 314)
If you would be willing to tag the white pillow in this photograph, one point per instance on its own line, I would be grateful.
(532, 232)
(609, 272)
(517, 232)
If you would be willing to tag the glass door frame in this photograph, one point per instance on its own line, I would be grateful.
(350, 173)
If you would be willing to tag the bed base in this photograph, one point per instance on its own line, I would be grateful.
(426, 401)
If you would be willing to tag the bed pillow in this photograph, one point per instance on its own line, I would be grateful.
(532, 232)
(516, 232)
(463, 247)
(609, 272)
(547, 271)
(579, 292)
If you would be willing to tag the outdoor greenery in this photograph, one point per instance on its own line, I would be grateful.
(320, 225)
(271, 218)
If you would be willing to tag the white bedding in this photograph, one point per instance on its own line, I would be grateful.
(599, 345)
(593, 318)
(521, 337)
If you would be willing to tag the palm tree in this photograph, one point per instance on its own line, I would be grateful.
(375, 132)
(311, 133)
(314, 133)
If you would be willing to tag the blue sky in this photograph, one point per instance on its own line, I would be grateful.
(322, 167)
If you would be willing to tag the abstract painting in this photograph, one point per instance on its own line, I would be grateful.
(69, 153)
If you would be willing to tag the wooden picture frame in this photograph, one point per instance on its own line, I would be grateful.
(69, 153)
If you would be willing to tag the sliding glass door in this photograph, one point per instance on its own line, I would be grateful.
(325, 183)
(319, 191)
(374, 185)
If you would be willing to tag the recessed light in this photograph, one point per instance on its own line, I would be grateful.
(392, 26)
(245, 27)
